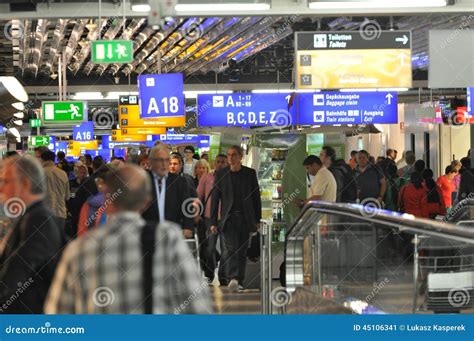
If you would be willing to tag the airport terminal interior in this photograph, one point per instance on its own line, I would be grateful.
(317, 156)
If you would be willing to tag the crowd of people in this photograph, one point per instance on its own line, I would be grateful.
(91, 229)
(405, 186)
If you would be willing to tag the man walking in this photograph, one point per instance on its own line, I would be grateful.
(237, 191)
(128, 266)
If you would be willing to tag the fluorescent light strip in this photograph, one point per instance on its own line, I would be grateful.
(221, 7)
(87, 95)
(375, 89)
(376, 4)
(194, 94)
(141, 8)
(116, 94)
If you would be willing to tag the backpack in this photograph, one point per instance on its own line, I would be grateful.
(346, 182)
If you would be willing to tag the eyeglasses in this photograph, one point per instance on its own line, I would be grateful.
(160, 160)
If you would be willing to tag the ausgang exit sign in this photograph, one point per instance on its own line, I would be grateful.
(112, 51)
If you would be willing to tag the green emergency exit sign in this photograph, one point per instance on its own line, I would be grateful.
(63, 112)
(35, 123)
(112, 51)
(36, 141)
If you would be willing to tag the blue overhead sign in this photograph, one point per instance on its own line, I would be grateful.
(83, 132)
(245, 109)
(179, 138)
(470, 101)
(61, 146)
(105, 141)
(347, 108)
(161, 95)
(104, 153)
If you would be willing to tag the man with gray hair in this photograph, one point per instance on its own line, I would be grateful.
(128, 266)
(31, 249)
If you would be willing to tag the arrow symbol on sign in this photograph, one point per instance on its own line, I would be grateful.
(389, 98)
(403, 40)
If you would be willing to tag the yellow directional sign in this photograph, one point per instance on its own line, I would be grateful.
(78, 145)
(129, 117)
(143, 131)
(117, 136)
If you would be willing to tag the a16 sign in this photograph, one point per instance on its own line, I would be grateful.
(161, 95)
(84, 132)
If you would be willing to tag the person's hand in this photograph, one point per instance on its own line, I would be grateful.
(380, 199)
(298, 202)
(257, 226)
(188, 234)
(213, 229)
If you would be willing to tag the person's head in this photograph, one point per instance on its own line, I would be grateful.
(11, 154)
(160, 160)
(188, 152)
(327, 155)
(123, 186)
(205, 156)
(88, 158)
(39, 150)
(97, 162)
(312, 164)
(220, 162)
(143, 162)
(82, 172)
(450, 172)
(354, 155)
(420, 166)
(410, 158)
(99, 178)
(427, 174)
(392, 170)
(466, 163)
(235, 155)
(391, 154)
(457, 165)
(380, 159)
(363, 158)
(176, 163)
(202, 167)
(22, 178)
(48, 156)
(117, 163)
(60, 155)
(416, 179)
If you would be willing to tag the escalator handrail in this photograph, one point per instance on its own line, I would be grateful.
(386, 219)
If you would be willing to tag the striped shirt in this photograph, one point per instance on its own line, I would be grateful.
(101, 273)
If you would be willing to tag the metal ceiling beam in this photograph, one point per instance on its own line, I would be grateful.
(279, 7)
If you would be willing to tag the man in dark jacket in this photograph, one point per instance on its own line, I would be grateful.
(171, 198)
(31, 249)
(236, 189)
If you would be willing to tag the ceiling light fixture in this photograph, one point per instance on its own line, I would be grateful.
(87, 96)
(19, 106)
(376, 4)
(217, 7)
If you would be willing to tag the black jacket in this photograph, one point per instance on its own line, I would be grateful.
(177, 192)
(30, 258)
(223, 193)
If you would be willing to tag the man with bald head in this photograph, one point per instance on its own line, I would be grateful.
(128, 266)
(171, 197)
